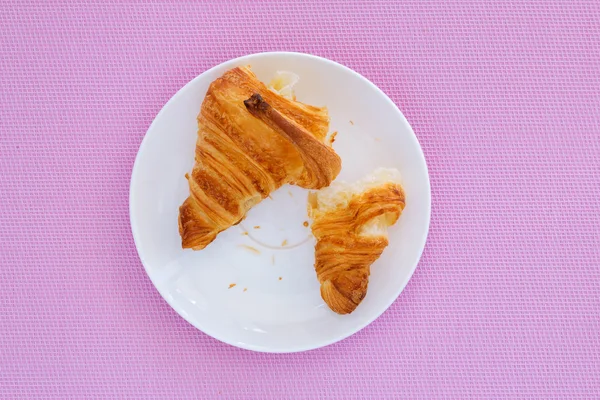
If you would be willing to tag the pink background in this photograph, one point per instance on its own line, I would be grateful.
(504, 99)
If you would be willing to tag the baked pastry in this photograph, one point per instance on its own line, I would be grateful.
(350, 224)
(251, 141)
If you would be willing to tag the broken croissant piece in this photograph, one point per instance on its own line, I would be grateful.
(350, 224)
(251, 141)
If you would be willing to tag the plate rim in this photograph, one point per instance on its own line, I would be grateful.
(295, 349)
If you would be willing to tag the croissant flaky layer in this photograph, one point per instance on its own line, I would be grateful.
(350, 224)
(251, 141)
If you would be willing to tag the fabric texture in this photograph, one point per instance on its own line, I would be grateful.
(504, 98)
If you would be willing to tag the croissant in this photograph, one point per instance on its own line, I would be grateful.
(350, 224)
(251, 141)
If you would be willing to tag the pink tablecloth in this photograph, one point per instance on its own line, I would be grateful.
(505, 101)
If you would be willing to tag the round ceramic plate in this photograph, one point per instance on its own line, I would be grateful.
(275, 305)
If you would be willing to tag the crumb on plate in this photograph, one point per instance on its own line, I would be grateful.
(284, 243)
(250, 248)
(305, 223)
(257, 227)
(231, 285)
(332, 138)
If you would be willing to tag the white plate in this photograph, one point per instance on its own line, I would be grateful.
(273, 314)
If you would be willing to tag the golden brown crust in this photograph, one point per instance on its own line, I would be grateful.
(321, 163)
(241, 158)
(344, 251)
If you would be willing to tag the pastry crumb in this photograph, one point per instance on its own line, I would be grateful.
(290, 193)
(245, 289)
(305, 223)
(280, 278)
(245, 233)
(250, 248)
(231, 285)
(351, 122)
(257, 227)
(284, 243)
(332, 138)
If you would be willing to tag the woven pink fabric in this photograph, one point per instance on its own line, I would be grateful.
(504, 99)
